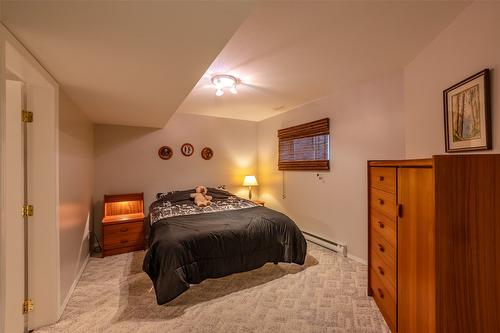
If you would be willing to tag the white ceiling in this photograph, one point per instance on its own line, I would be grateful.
(126, 63)
(136, 63)
(288, 54)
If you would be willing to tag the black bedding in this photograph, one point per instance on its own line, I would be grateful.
(189, 244)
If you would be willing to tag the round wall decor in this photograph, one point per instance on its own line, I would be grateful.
(187, 149)
(207, 153)
(165, 152)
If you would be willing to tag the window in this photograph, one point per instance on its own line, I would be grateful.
(305, 147)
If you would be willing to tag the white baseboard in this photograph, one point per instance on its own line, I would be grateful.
(73, 286)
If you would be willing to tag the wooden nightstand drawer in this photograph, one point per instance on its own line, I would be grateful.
(384, 203)
(383, 179)
(113, 230)
(123, 239)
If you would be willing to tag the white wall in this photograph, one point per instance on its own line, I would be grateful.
(76, 172)
(469, 44)
(366, 122)
(126, 158)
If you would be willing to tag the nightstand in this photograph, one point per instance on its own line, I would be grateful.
(123, 223)
(259, 202)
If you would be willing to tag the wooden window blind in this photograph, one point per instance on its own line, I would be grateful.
(305, 147)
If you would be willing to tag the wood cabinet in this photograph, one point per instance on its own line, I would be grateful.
(434, 243)
(123, 223)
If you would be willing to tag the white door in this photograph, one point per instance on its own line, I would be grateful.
(14, 199)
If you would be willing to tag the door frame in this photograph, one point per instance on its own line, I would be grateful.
(43, 96)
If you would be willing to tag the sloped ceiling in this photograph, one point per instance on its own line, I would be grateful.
(136, 63)
(126, 63)
(288, 54)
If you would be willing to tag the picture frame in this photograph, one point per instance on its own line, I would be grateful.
(467, 114)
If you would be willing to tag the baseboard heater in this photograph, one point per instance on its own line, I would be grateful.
(337, 247)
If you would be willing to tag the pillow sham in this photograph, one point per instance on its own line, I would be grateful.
(218, 194)
(174, 196)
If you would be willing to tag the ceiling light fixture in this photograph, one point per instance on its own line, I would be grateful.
(224, 81)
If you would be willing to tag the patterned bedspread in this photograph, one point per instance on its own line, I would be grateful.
(165, 209)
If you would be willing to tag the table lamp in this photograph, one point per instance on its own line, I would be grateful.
(250, 181)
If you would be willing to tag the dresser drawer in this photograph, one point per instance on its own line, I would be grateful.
(384, 226)
(384, 300)
(382, 248)
(386, 273)
(383, 202)
(383, 178)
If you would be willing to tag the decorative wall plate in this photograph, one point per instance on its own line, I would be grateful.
(165, 152)
(187, 149)
(207, 153)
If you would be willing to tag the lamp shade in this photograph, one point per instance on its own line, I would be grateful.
(250, 181)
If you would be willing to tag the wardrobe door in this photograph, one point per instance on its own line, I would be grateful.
(415, 255)
(468, 243)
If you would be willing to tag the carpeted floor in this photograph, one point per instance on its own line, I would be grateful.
(327, 294)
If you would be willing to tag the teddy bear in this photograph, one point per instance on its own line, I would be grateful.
(201, 199)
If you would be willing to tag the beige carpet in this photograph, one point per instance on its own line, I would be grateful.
(327, 294)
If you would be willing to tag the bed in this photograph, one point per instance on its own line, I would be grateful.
(188, 244)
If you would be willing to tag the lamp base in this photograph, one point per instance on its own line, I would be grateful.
(250, 192)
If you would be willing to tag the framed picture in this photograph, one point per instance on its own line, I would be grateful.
(467, 114)
(187, 149)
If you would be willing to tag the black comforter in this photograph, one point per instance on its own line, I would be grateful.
(186, 249)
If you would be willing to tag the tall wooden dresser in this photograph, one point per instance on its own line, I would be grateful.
(434, 243)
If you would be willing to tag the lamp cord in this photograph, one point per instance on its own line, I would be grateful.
(97, 248)
(283, 193)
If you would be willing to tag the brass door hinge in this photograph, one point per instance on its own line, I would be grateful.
(27, 210)
(27, 116)
(28, 306)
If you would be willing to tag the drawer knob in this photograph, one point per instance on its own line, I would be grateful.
(380, 293)
(381, 225)
(381, 178)
(124, 241)
(381, 270)
(380, 201)
(124, 229)
(381, 247)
